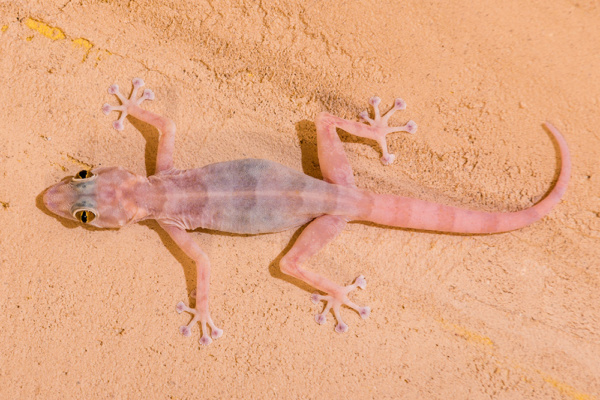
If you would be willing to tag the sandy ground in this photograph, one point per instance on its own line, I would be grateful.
(91, 313)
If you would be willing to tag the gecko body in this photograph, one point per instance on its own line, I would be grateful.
(246, 196)
(253, 196)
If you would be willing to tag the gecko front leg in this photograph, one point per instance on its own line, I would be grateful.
(131, 106)
(164, 161)
(201, 312)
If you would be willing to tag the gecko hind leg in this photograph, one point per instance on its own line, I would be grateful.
(377, 129)
(314, 237)
(336, 169)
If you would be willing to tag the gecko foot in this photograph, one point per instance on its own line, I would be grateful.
(335, 301)
(380, 123)
(126, 102)
(204, 318)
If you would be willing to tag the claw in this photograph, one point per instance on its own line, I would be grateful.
(315, 298)
(388, 159)
(106, 108)
(205, 340)
(137, 82)
(148, 94)
(399, 104)
(320, 319)
(411, 126)
(180, 307)
(374, 101)
(216, 333)
(341, 328)
(185, 330)
(364, 312)
(364, 116)
(361, 282)
(118, 125)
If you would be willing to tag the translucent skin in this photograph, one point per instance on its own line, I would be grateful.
(258, 196)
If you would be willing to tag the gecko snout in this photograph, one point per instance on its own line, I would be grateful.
(59, 198)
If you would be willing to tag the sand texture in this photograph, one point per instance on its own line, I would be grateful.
(90, 313)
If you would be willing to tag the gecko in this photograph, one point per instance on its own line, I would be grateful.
(252, 196)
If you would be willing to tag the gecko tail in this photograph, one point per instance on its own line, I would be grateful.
(412, 213)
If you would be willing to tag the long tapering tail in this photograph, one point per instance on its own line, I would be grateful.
(412, 213)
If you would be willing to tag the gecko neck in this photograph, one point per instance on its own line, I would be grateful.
(142, 199)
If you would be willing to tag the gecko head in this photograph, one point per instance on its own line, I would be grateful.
(101, 197)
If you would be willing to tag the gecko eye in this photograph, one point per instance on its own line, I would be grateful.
(85, 216)
(83, 174)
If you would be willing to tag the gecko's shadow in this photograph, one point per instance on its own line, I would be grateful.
(151, 136)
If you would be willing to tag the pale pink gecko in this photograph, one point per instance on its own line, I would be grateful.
(253, 196)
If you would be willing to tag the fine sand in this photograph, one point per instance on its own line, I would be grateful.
(90, 314)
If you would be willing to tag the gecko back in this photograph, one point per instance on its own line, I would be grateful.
(243, 196)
